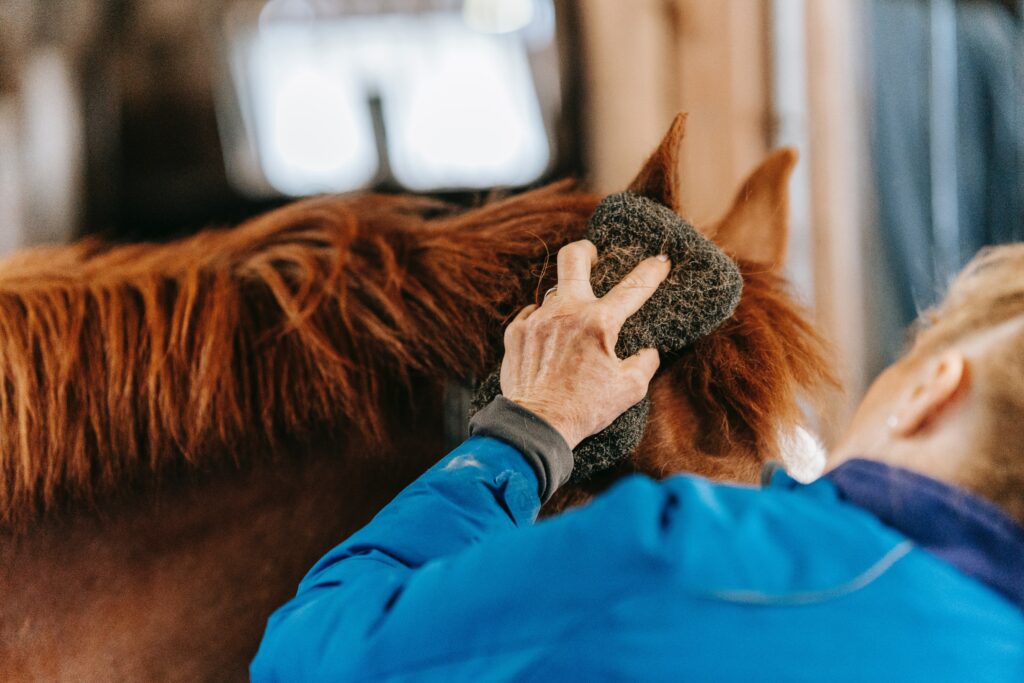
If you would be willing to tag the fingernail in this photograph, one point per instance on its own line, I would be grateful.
(663, 257)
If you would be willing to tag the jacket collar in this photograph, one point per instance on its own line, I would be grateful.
(962, 529)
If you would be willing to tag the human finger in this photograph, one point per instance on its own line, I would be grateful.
(514, 329)
(626, 298)
(639, 369)
(574, 263)
(525, 313)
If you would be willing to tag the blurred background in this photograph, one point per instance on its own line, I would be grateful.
(149, 119)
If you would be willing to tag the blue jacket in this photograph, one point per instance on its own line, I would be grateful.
(682, 579)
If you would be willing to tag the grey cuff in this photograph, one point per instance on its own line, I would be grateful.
(540, 443)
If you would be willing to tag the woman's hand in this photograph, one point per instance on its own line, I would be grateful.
(560, 360)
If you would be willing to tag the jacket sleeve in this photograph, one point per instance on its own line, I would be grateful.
(483, 487)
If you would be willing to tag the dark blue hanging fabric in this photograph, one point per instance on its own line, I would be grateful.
(989, 145)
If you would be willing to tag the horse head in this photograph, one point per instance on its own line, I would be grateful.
(734, 399)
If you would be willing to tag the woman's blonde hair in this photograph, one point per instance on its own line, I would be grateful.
(989, 292)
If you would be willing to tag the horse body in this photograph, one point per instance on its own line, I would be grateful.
(219, 411)
(176, 587)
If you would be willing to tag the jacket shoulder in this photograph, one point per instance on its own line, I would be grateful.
(743, 543)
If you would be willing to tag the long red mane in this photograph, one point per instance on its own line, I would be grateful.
(119, 362)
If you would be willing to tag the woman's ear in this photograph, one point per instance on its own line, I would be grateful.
(756, 227)
(659, 178)
(933, 392)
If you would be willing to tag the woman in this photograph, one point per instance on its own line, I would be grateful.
(905, 562)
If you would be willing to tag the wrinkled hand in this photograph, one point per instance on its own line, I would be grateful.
(560, 360)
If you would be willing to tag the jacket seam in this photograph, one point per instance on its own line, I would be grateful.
(815, 597)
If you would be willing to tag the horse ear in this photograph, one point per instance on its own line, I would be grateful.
(756, 228)
(659, 178)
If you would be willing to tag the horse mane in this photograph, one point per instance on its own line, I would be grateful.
(760, 370)
(722, 406)
(118, 361)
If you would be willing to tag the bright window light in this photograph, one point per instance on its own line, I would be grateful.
(462, 112)
(313, 131)
(459, 108)
(497, 16)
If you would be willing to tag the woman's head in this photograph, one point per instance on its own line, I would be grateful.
(953, 406)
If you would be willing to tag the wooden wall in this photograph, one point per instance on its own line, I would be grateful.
(840, 190)
(646, 60)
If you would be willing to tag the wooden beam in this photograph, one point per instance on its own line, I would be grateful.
(646, 60)
(723, 75)
(839, 187)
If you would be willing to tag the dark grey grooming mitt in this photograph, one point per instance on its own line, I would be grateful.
(701, 292)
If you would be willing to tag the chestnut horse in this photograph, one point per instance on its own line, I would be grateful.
(185, 428)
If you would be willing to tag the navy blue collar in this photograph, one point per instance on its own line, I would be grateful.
(962, 529)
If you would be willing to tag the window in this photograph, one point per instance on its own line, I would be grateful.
(430, 96)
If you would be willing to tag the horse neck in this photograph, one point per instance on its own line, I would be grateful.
(678, 438)
(178, 585)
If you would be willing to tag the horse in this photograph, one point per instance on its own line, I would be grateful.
(186, 427)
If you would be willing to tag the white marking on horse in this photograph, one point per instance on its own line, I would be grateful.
(802, 454)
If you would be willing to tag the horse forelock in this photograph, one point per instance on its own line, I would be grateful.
(721, 407)
(756, 375)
